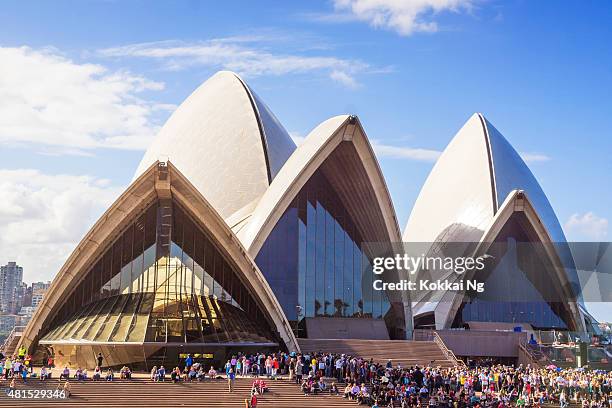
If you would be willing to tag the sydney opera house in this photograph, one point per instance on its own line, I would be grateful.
(230, 238)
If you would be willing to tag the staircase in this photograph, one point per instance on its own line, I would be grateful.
(405, 352)
(141, 392)
(10, 344)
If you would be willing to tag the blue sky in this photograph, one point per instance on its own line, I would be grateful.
(102, 76)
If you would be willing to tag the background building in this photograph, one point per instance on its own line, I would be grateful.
(11, 290)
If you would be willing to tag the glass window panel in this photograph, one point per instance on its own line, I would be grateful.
(208, 269)
(361, 293)
(302, 257)
(74, 328)
(339, 304)
(217, 275)
(329, 263)
(89, 320)
(150, 226)
(348, 279)
(221, 323)
(209, 332)
(107, 274)
(125, 319)
(126, 279)
(111, 320)
(97, 279)
(107, 306)
(148, 276)
(137, 275)
(174, 265)
(198, 263)
(310, 257)
(72, 325)
(320, 260)
(116, 268)
(139, 327)
(162, 276)
(128, 245)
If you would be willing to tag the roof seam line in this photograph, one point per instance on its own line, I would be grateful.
(262, 132)
(490, 160)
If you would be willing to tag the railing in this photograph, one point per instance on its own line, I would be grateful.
(17, 330)
(448, 353)
(566, 337)
(423, 334)
(536, 357)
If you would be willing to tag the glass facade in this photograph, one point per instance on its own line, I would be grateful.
(161, 281)
(314, 262)
(519, 274)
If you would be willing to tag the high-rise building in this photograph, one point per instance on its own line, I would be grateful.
(24, 295)
(40, 286)
(37, 296)
(11, 277)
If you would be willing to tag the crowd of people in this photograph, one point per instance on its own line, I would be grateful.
(20, 367)
(367, 382)
(384, 385)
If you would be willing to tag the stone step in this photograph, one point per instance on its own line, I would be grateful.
(145, 393)
(405, 352)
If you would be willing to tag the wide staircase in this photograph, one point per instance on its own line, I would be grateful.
(405, 352)
(141, 392)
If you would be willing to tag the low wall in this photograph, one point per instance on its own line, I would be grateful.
(346, 328)
(482, 343)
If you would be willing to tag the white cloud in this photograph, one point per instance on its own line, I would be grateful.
(534, 157)
(249, 58)
(344, 79)
(385, 150)
(43, 217)
(49, 100)
(586, 227)
(397, 152)
(402, 16)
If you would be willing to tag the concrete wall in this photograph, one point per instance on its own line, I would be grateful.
(346, 328)
(482, 343)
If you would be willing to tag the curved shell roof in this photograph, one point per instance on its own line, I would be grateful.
(320, 143)
(511, 173)
(225, 140)
(478, 177)
(472, 178)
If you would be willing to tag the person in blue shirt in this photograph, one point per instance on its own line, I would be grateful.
(189, 361)
(231, 376)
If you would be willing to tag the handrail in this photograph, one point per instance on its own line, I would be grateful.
(448, 353)
(533, 359)
(11, 336)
